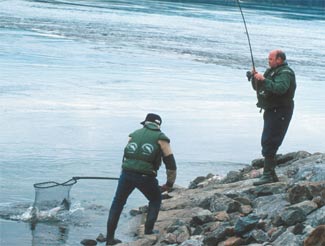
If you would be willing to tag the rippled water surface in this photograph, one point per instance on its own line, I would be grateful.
(78, 76)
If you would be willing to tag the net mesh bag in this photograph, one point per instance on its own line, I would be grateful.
(52, 194)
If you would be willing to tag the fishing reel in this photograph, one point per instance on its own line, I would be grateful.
(249, 75)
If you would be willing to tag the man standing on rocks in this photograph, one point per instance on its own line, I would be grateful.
(143, 154)
(275, 92)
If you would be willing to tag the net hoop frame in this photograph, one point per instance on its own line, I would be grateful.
(51, 184)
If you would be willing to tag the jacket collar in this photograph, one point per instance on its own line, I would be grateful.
(152, 126)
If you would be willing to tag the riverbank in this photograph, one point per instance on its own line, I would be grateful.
(231, 211)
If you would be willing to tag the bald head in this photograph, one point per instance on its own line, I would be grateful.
(276, 58)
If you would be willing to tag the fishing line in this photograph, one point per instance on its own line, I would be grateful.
(247, 34)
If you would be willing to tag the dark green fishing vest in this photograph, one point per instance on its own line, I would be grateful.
(143, 153)
(267, 99)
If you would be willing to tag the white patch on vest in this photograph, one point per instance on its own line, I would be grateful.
(131, 147)
(147, 149)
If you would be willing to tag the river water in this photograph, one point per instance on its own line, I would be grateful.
(78, 76)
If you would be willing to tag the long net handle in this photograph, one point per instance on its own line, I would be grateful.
(90, 177)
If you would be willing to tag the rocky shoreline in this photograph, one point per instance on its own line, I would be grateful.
(231, 211)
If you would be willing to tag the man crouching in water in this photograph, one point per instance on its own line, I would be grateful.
(275, 92)
(142, 158)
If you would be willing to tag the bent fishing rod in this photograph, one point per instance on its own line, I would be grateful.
(249, 74)
(247, 34)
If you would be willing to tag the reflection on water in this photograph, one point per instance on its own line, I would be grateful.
(49, 234)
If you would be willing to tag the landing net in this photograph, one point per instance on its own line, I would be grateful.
(52, 194)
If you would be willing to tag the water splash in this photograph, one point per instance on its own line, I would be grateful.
(22, 212)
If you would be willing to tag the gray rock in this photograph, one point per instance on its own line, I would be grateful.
(292, 215)
(299, 193)
(316, 218)
(88, 242)
(178, 232)
(232, 176)
(101, 238)
(306, 206)
(243, 200)
(196, 181)
(288, 239)
(192, 242)
(268, 189)
(277, 233)
(220, 202)
(258, 163)
(289, 158)
(270, 205)
(140, 210)
(245, 224)
(312, 173)
(218, 235)
(141, 242)
(260, 236)
(298, 229)
(202, 219)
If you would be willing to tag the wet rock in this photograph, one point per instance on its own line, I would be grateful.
(88, 242)
(101, 238)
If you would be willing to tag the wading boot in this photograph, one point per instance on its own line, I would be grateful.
(275, 178)
(269, 175)
(112, 241)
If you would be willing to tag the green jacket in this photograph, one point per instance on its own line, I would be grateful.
(143, 153)
(278, 88)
